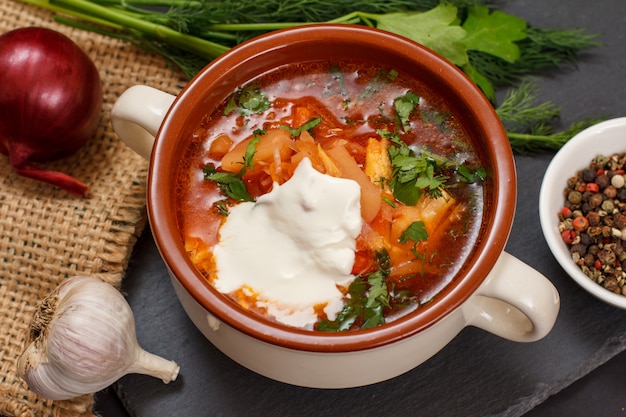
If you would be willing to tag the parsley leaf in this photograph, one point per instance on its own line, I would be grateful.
(377, 298)
(248, 159)
(437, 29)
(413, 174)
(351, 311)
(415, 232)
(295, 132)
(471, 175)
(406, 193)
(480, 80)
(494, 33)
(231, 184)
(248, 100)
(367, 299)
(404, 106)
(221, 207)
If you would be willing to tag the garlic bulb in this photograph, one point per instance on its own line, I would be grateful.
(82, 339)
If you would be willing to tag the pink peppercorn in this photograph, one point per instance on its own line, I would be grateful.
(580, 223)
(568, 236)
(597, 264)
(592, 187)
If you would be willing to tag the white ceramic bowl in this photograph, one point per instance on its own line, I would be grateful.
(605, 138)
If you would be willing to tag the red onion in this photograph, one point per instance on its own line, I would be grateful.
(50, 101)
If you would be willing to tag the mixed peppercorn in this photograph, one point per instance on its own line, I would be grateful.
(593, 221)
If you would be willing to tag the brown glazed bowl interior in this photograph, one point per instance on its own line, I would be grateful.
(333, 42)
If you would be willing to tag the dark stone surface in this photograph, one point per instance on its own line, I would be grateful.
(477, 374)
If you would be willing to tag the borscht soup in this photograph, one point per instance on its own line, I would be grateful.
(330, 196)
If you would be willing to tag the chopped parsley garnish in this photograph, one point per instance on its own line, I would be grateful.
(377, 83)
(404, 106)
(232, 184)
(389, 202)
(248, 159)
(471, 176)
(221, 207)
(415, 174)
(248, 100)
(295, 132)
(415, 232)
(368, 296)
(436, 117)
(336, 78)
(412, 174)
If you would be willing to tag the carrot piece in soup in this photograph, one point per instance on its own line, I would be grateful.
(234, 159)
(274, 144)
(370, 193)
(438, 215)
(301, 115)
(437, 259)
(220, 146)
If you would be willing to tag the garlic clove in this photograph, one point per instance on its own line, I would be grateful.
(82, 340)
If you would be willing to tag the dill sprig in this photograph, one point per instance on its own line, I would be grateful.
(278, 11)
(542, 50)
(530, 125)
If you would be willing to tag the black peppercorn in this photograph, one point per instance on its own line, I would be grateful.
(579, 248)
(602, 181)
(589, 175)
(596, 200)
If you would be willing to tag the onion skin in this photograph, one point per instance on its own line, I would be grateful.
(50, 102)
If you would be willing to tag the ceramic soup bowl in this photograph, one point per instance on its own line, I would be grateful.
(492, 290)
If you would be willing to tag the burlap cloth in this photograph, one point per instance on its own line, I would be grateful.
(47, 235)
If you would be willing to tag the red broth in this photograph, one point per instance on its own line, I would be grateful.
(359, 112)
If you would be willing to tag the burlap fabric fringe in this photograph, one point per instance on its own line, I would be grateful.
(47, 235)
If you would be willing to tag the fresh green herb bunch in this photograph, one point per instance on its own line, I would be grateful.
(496, 50)
(193, 16)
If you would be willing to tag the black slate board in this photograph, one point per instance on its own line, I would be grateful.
(477, 374)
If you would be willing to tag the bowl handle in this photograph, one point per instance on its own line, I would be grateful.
(515, 302)
(137, 115)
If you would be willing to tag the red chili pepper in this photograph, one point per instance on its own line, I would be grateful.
(592, 187)
(568, 236)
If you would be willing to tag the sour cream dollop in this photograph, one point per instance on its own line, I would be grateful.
(293, 246)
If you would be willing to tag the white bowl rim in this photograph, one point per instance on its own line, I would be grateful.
(602, 138)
